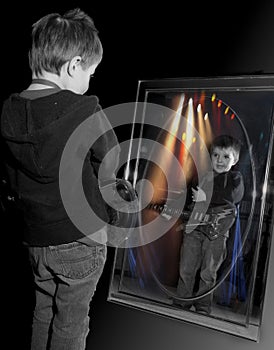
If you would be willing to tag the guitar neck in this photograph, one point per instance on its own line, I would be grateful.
(175, 212)
(215, 221)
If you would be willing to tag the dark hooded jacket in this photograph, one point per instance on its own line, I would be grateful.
(35, 128)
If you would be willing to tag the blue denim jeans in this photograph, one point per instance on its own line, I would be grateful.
(198, 252)
(65, 278)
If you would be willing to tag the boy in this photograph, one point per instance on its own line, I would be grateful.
(198, 250)
(35, 127)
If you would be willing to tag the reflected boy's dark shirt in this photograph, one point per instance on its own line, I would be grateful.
(227, 187)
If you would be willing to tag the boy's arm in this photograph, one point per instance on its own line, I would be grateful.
(106, 150)
(238, 187)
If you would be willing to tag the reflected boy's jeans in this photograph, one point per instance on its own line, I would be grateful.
(65, 278)
(198, 252)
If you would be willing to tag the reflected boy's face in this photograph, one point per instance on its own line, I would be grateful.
(223, 159)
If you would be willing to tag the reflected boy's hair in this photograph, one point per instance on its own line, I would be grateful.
(227, 141)
(56, 39)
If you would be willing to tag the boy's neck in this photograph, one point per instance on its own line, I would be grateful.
(216, 174)
(50, 77)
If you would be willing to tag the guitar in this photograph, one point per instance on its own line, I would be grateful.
(214, 222)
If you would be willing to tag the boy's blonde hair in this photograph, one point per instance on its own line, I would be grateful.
(57, 39)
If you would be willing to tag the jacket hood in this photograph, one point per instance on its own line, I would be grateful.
(35, 131)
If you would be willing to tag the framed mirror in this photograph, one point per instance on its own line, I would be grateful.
(199, 250)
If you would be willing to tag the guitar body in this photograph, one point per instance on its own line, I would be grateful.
(213, 222)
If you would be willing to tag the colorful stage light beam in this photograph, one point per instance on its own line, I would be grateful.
(158, 175)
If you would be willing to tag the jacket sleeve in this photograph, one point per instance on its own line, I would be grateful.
(105, 150)
(237, 187)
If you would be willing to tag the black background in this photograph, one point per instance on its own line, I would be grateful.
(141, 40)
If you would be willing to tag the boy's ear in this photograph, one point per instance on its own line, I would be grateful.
(73, 64)
(236, 159)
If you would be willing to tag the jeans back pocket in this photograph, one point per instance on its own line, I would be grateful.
(76, 260)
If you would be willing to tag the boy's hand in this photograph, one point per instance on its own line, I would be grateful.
(198, 195)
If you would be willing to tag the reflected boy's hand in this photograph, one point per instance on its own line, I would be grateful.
(198, 195)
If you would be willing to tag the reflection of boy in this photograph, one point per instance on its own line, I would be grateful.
(198, 252)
